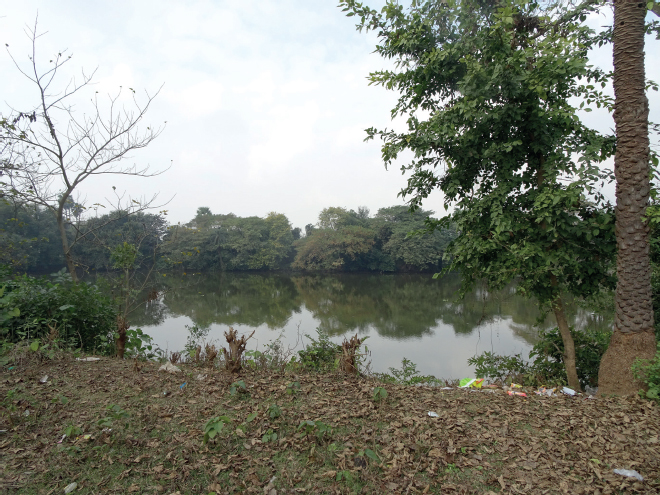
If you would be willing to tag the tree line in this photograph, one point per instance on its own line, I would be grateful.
(341, 241)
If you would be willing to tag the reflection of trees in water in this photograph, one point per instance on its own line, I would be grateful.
(396, 306)
(150, 313)
(234, 299)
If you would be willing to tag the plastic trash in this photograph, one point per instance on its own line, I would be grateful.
(200, 377)
(545, 391)
(515, 385)
(446, 388)
(62, 439)
(88, 359)
(43, 379)
(471, 382)
(184, 384)
(169, 367)
(433, 414)
(71, 487)
(520, 394)
(630, 473)
(26, 413)
(568, 391)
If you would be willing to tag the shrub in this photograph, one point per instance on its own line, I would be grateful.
(320, 354)
(546, 365)
(77, 313)
(648, 371)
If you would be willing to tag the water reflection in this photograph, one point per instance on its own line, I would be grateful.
(404, 315)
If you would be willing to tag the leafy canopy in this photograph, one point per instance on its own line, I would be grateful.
(487, 88)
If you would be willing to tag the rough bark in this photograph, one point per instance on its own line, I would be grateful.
(633, 334)
(236, 348)
(569, 344)
(70, 265)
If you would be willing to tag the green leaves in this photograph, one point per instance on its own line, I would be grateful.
(213, 427)
(237, 387)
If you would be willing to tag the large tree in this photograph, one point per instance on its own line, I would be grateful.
(487, 88)
(633, 335)
(49, 150)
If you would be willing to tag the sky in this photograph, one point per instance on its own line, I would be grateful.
(263, 103)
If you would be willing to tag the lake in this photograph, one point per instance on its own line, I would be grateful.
(404, 315)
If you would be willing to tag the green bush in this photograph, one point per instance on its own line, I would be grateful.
(546, 365)
(648, 371)
(80, 313)
(320, 354)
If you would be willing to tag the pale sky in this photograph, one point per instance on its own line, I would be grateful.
(266, 101)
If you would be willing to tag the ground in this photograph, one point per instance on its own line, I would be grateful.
(359, 439)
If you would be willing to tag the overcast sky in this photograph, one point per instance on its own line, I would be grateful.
(266, 101)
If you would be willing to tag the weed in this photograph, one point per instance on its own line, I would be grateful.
(648, 371)
(321, 354)
(408, 374)
(274, 411)
(318, 428)
(293, 388)
(116, 413)
(269, 436)
(379, 394)
(213, 427)
(238, 387)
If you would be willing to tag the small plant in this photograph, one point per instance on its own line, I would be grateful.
(293, 388)
(238, 387)
(140, 345)
(320, 354)
(72, 431)
(269, 436)
(379, 394)
(408, 374)
(648, 372)
(213, 427)
(116, 413)
(251, 417)
(274, 411)
(344, 475)
(318, 428)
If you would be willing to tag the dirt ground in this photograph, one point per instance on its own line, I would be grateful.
(133, 429)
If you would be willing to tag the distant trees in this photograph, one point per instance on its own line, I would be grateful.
(49, 150)
(343, 241)
(351, 241)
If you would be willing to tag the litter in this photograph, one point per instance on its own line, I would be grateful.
(88, 359)
(546, 391)
(446, 388)
(200, 377)
(169, 367)
(520, 394)
(184, 384)
(44, 379)
(71, 487)
(630, 473)
(515, 385)
(471, 382)
(568, 391)
(26, 413)
(62, 439)
(433, 414)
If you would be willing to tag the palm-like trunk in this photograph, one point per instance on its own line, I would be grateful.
(633, 335)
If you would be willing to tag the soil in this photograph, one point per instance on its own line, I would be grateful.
(134, 429)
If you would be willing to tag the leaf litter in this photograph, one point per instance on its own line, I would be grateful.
(329, 435)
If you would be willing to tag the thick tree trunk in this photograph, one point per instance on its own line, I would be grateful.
(633, 335)
(569, 345)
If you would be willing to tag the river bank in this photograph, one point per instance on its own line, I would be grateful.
(133, 429)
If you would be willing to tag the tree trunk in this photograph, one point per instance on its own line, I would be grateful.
(569, 345)
(71, 266)
(633, 334)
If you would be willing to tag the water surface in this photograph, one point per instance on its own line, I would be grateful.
(412, 316)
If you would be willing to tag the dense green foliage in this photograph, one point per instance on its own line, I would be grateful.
(649, 373)
(545, 365)
(343, 240)
(352, 241)
(57, 308)
(29, 239)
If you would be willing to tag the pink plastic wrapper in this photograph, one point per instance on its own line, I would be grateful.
(521, 394)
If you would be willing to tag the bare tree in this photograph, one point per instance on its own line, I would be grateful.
(48, 150)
